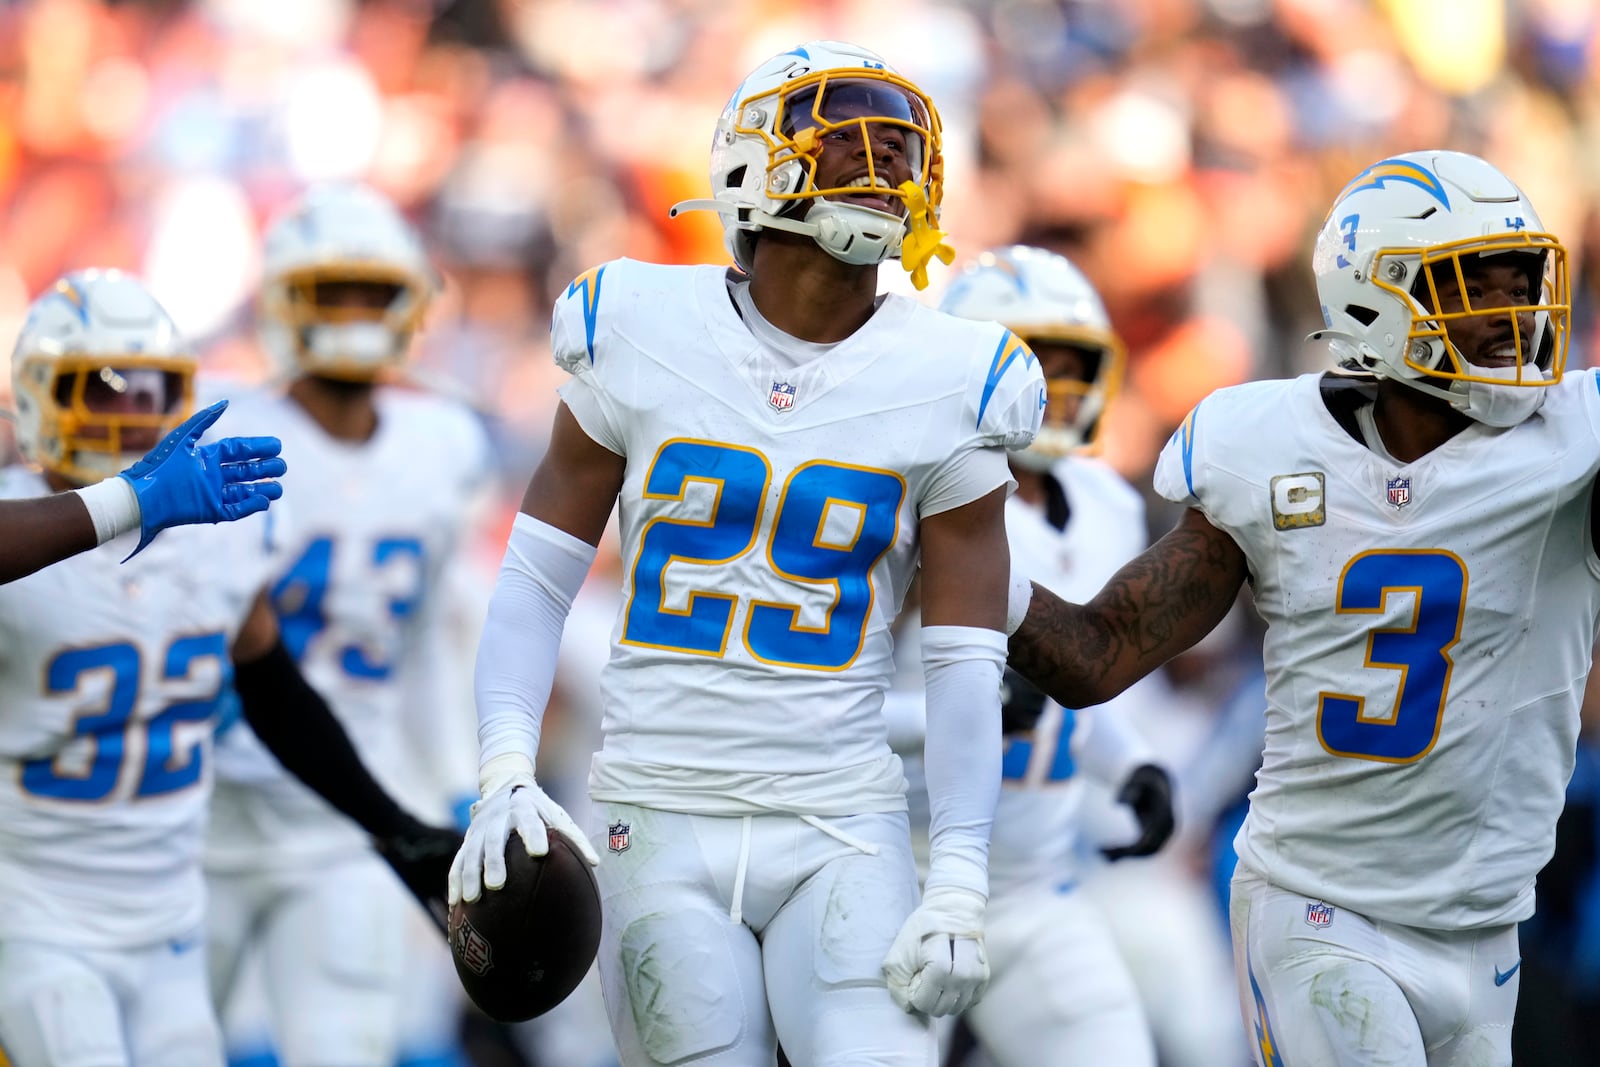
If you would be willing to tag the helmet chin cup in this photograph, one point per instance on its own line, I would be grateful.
(849, 233)
(855, 234)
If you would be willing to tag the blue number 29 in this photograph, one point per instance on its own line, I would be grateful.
(804, 547)
(1420, 651)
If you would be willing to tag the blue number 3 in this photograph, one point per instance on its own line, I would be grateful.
(805, 546)
(1419, 651)
(165, 768)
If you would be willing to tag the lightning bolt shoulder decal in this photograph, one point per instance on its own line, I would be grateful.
(1010, 351)
(587, 286)
(1187, 438)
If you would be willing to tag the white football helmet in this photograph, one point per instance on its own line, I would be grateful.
(1044, 299)
(345, 285)
(97, 357)
(767, 141)
(1393, 232)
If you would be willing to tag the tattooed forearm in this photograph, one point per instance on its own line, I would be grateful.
(1158, 605)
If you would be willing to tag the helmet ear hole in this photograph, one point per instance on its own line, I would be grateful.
(1364, 315)
(735, 177)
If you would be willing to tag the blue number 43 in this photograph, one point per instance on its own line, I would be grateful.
(299, 595)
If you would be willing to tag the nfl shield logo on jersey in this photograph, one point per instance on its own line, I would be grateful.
(1399, 491)
(1319, 914)
(782, 396)
(617, 835)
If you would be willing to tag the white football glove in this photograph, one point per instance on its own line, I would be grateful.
(937, 964)
(512, 801)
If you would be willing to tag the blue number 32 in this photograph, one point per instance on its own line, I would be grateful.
(116, 734)
(1419, 651)
(805, 546)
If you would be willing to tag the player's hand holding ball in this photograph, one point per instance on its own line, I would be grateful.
(512, 801)
(937, 964)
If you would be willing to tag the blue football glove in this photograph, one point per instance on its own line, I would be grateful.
(179, 482)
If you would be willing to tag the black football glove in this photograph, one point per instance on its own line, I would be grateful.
(420, 854)
(1021, 703)
(1148, 791)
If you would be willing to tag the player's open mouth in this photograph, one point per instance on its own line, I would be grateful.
(889, 204)
(1501, 355)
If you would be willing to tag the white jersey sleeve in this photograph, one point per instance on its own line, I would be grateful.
(575, 331)
(1005, 404)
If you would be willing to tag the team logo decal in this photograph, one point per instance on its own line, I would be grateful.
(1298, 500)
(471, 948)
(1319, 914)
(619, 836)
(782, 396)
(1399, 492)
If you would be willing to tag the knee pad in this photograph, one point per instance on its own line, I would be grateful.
(857, 920)
(59, 1017)
(683, 985)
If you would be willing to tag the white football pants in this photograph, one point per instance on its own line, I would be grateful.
(1320, 986)
(1060, 995)
(144, 1007)
(331, 947)
(726, 936)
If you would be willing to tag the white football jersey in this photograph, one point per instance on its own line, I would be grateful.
(769, 529)
(373, 524)
(1429, 632)
(111, 679)
(1036, 821)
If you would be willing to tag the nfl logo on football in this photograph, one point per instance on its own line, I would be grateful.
(473, 949)
(1399, 492)
(782, 396)
(617, 835)
(1319, 914)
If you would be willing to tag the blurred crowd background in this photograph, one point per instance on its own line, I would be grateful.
(1183, 152)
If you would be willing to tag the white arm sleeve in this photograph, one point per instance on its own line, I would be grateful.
(961, 755)
(543, 570)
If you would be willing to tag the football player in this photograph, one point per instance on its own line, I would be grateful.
(783, 445)
(176, 483)
(1060, 993)
(114, 674)
(384, 479)
(1418, 530)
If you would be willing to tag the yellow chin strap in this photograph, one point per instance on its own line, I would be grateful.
(923, 240)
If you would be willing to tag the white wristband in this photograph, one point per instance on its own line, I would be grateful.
(113, 507)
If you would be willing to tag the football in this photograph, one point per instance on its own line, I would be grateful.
(521, 949)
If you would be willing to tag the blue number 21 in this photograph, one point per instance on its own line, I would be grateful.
(804, 547)
(166, 768)
(1420, 651)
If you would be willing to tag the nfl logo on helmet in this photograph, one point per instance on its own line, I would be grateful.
(782, 396)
